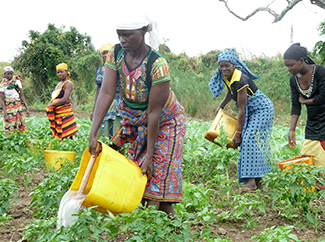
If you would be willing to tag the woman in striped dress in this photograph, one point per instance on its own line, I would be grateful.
(59, 110)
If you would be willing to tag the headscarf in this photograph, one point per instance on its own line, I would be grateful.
(295, 52)
(63, 66)
(216, 83)
(7, 68)
(133, 21)
(105, 47)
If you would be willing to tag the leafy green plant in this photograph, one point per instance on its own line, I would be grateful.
(274, 233)
(294, 186)
(47, 195)
(3, 219)
(8, 192)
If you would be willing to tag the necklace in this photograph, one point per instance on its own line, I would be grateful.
(307, 93)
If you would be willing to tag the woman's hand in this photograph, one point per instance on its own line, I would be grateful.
(147, 168)
(236, 141)
(92, 144)
(292, 139)
(91, 116)
(302, 100)
(27, 112)
(217, 110)
(6, 116)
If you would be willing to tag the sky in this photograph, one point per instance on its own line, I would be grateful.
(186, 26)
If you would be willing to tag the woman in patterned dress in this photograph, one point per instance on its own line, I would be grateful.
(59, 111)
(11, 98)
(255, 116)
(307, 87)
(153, 120)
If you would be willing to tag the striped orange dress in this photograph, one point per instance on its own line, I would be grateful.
(62, 120)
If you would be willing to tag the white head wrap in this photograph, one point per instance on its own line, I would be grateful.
(132, 22)
(7, 68)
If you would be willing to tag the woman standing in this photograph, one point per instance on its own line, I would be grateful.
(112, 118)
(153, 120)
(307, 87)
(59, 110)
(255, 116)
(11, 97)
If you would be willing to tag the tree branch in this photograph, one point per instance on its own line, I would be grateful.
(277, 17)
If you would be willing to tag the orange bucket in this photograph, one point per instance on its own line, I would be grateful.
(229, 124)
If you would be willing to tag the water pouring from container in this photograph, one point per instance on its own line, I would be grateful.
(72, 200)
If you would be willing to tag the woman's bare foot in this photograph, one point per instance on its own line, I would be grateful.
(250, 185)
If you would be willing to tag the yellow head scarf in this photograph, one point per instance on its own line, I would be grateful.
(105, 47)
(63, 66)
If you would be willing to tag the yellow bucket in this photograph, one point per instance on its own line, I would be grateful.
(115, 182)
(286, 165)
(229, 124)
(55, 158)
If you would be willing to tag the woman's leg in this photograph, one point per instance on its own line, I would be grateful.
(166, 207)
(251, 184)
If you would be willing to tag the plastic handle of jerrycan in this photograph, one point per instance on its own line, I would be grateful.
(90, 165)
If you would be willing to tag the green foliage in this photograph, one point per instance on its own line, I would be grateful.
(47, 195)
(43, 51)
(294, 185)
(8, 192)
(320, 45)
(280, 233)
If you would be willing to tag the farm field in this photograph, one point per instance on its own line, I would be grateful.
(213, 209)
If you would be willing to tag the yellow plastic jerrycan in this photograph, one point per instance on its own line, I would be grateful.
(55, 158)
(115, 182)
(229, 124)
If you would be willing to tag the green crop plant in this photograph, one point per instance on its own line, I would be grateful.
(8, 193)
(47, 195)
(280, 234)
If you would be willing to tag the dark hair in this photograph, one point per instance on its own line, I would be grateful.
(296, 52)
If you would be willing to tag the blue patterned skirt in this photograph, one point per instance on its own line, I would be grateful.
(255, 145)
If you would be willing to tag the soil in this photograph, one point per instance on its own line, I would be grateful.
(22, 216)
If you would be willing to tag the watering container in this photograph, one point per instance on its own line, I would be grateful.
(229, 124)
(286, 165)
(54, 158)
(115, 182)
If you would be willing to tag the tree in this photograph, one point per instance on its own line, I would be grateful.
(39, 56)
(320, 45)
(277, 16)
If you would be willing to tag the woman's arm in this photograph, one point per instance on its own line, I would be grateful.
(23, 100)
(95, 100)
(67, 92)
(3, 106)
(241, 102)
(224, 102)
(103, 102)
(292, 132)
(157, 99)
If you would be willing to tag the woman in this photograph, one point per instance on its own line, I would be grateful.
(153, 120)
(112, 119)
(255, 116)
(59, 110)
(11, 97)
(307, 87)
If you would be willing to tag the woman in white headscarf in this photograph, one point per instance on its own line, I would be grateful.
(153, 120)
(11, 98)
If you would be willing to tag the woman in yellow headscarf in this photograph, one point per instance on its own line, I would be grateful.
(112, 118)
(59, 110)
